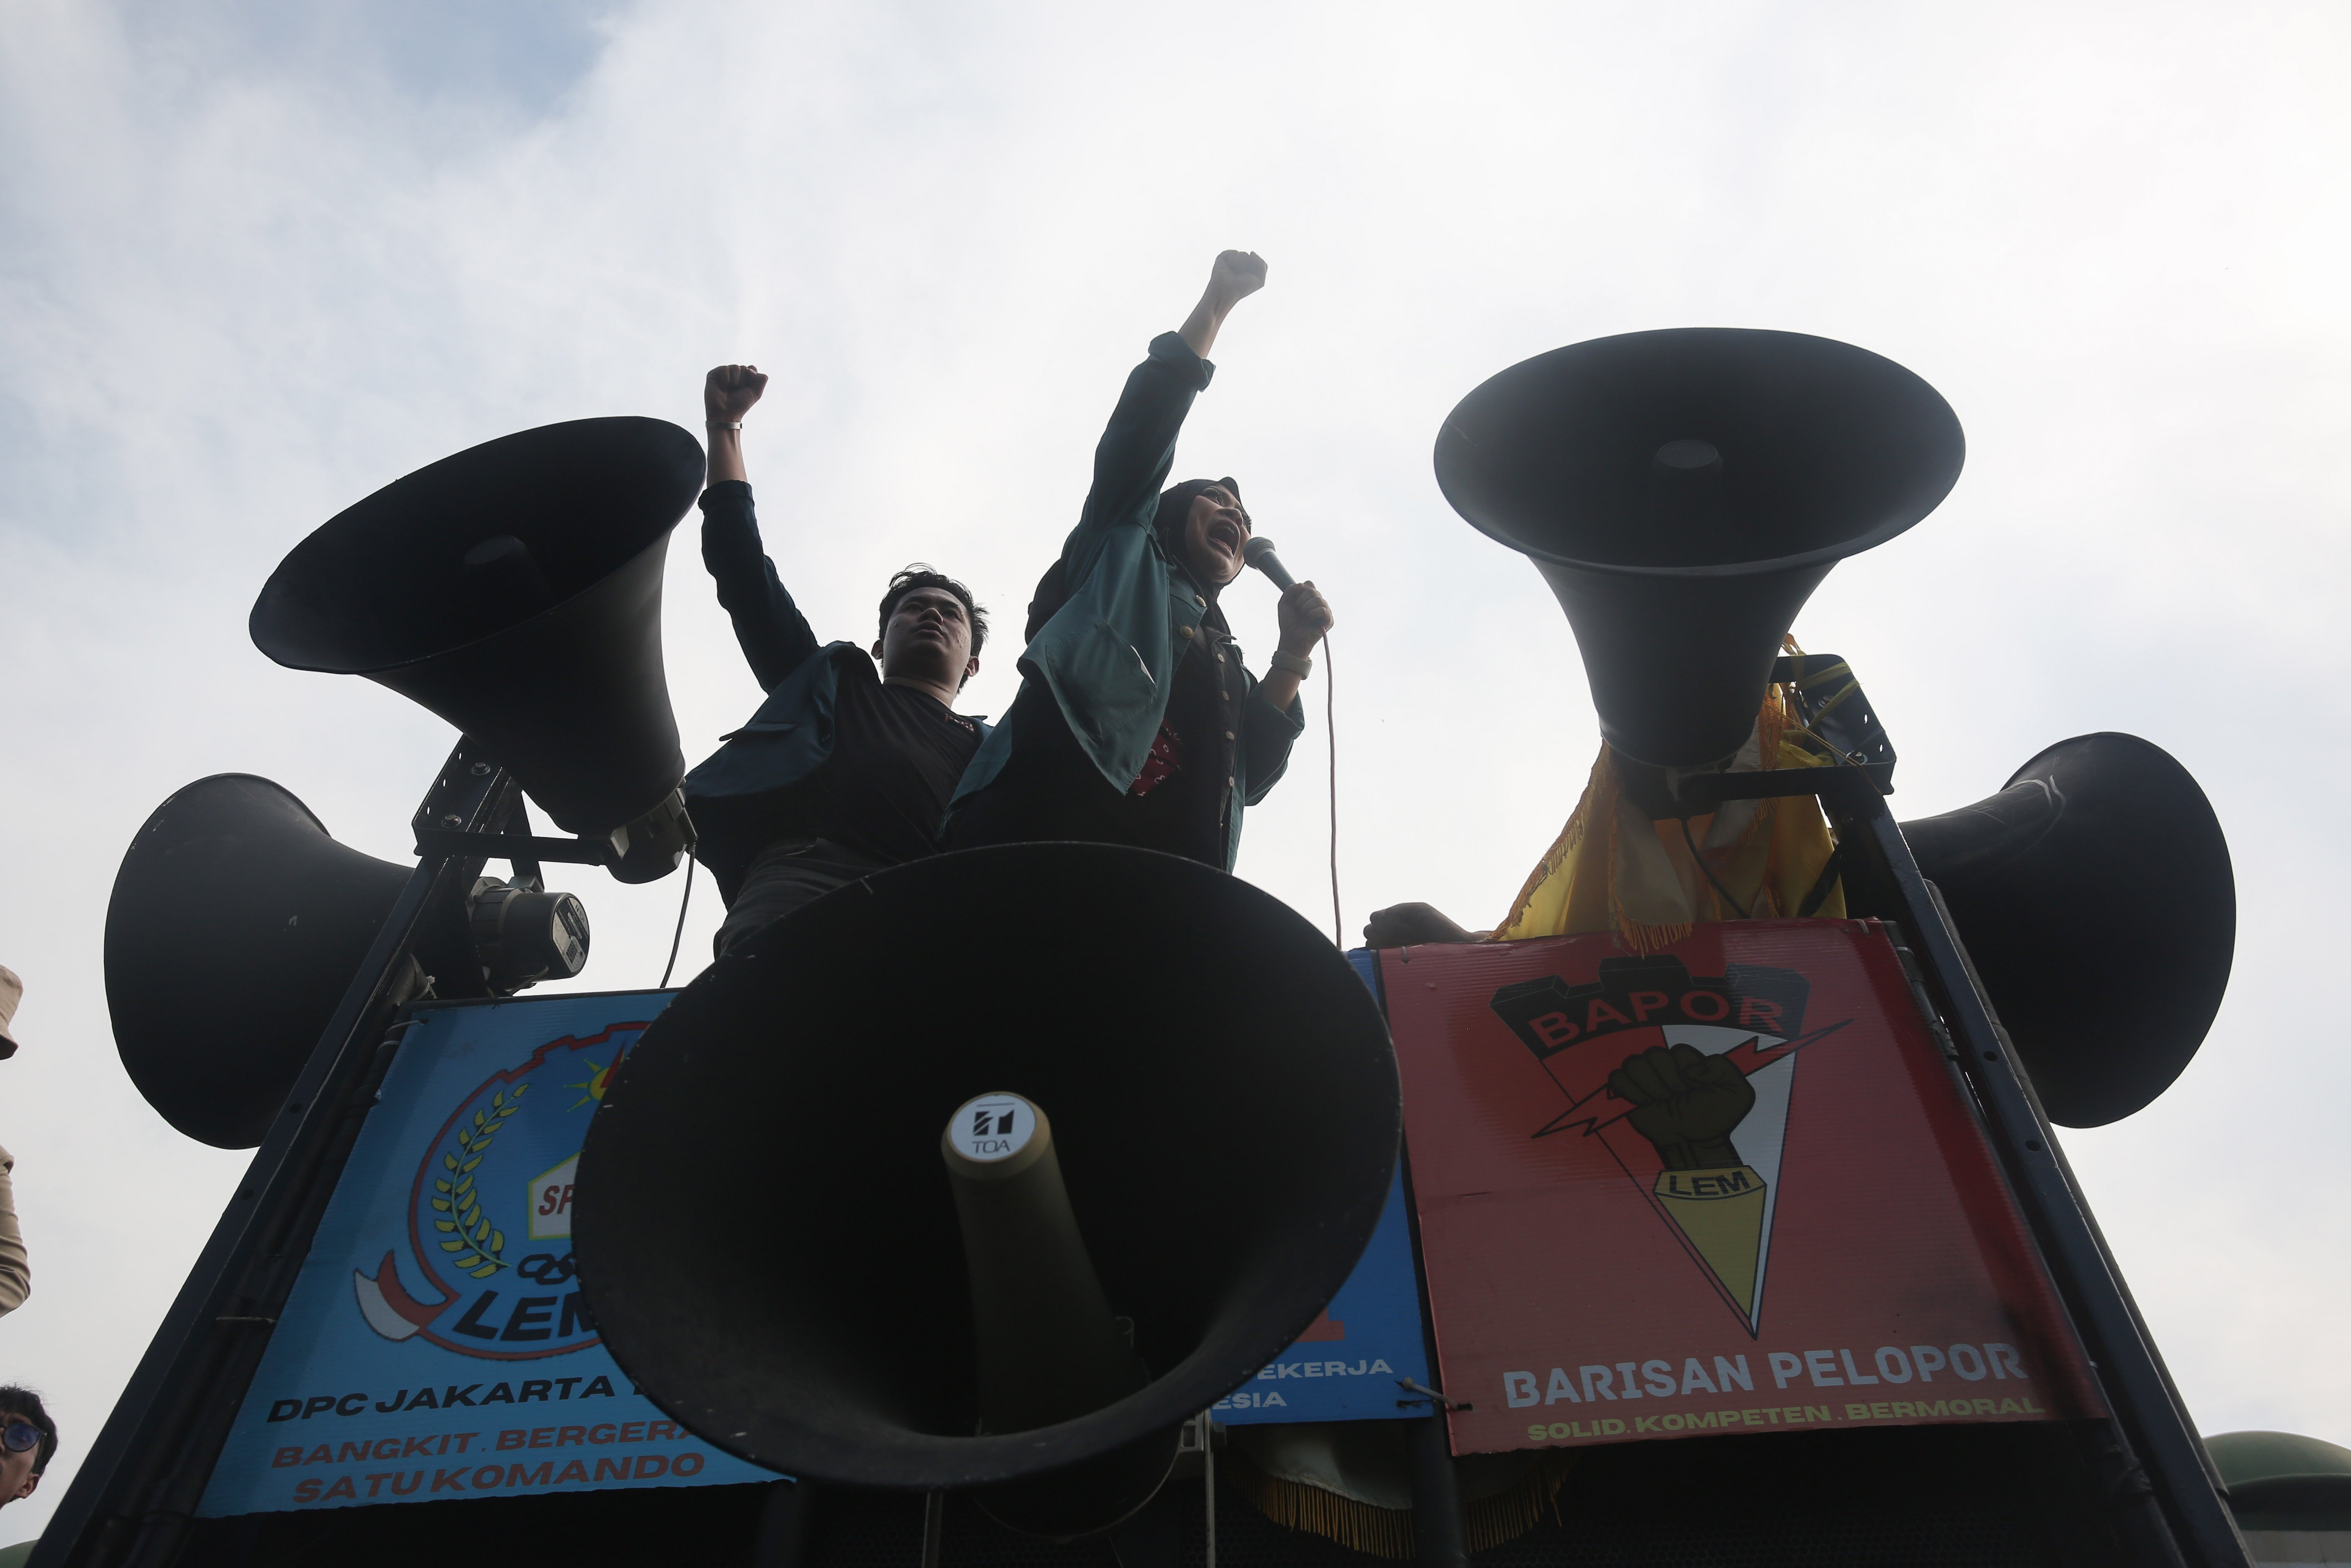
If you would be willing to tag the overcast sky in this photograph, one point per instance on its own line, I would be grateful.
(262, 258)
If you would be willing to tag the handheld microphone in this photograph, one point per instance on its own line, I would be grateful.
(1258, 553)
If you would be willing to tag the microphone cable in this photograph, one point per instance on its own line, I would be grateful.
(1331, 731)
(679, 935)
(1259, 552)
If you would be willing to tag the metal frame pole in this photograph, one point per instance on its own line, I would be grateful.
(1209, 1480)
(935, 1527)
(1440, 1531)
(134, 1495)
(2167, 1496)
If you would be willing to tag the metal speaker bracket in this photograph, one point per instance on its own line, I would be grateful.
(1837, 715)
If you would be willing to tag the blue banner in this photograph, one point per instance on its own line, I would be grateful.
(435, 1344)
(1351, 1364)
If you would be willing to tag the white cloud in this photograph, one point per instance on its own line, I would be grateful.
(260, 266)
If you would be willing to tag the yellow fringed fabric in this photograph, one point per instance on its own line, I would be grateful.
(1611, 869)
(1387, 1531)
(1504, 1517)
(1357, 1526)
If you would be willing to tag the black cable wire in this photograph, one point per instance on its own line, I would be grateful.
(1831, 873)
(1709, 870)
(680, 935)
(1331, 728)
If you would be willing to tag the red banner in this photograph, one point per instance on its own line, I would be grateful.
(1733, 1186)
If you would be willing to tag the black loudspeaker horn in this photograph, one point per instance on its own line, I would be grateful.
(514, 590)
(2095, 897)
(771, 1241)
(1684, 492)
(236, 925)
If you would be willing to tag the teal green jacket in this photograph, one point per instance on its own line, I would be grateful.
(1109, 655)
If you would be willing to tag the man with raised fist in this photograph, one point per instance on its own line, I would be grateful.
(842, 772)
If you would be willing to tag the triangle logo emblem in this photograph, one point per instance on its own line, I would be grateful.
(1686, 1081)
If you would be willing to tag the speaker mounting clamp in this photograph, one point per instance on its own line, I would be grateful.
(1836, 713)
(645, 849)
(517, 847)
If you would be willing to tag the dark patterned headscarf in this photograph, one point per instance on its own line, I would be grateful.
(1167, 523)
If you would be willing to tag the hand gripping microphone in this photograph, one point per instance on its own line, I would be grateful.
(1258, 553)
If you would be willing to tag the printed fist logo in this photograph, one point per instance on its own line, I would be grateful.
(1684, 1103)
(1687, 1103)
(1697, 1111)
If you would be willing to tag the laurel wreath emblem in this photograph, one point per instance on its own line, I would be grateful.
(477, 1245)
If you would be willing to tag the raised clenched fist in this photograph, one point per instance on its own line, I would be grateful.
(1686, 1103)
(729, 391)
(1237, 275)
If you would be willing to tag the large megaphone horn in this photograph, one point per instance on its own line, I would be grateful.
(1684, 492)
(514, 590)
(777, 1253)
(2096, 900)
(236, 925)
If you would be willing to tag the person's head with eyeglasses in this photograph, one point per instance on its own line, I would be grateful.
(28, 1439)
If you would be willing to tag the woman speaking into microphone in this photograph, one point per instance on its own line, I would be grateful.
(1136, 723)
